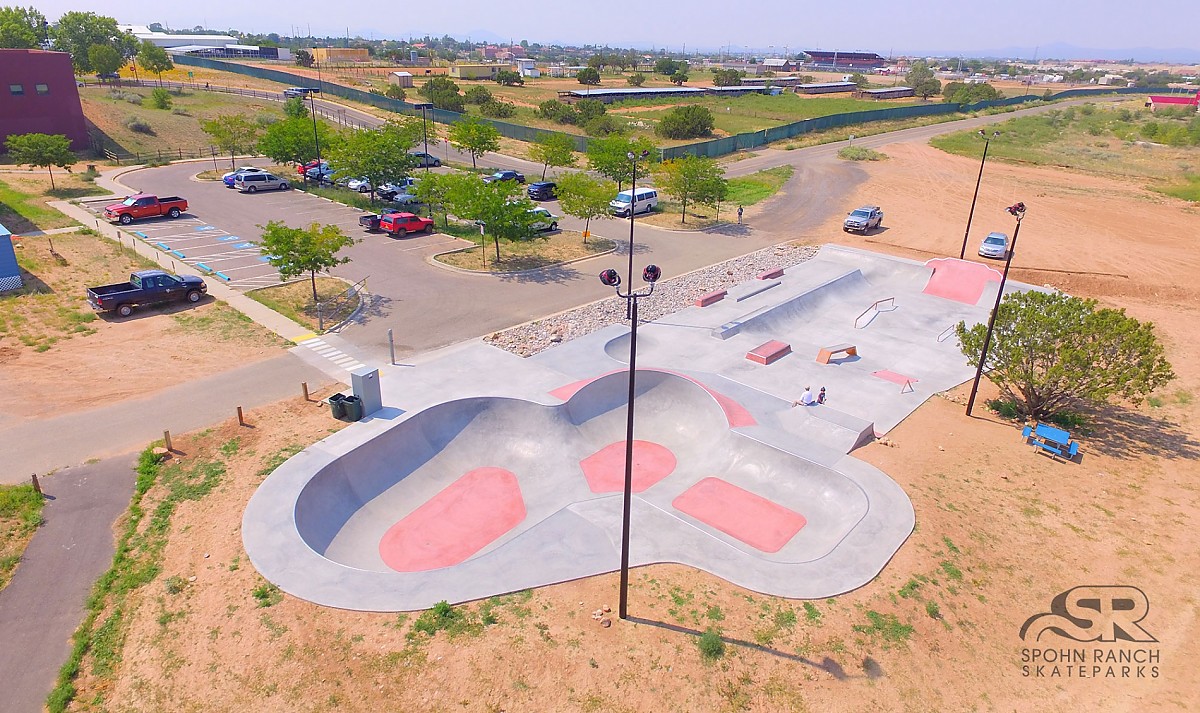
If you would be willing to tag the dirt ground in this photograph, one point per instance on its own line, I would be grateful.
(1000, 531)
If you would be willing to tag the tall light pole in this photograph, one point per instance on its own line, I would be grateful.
(987, 141)
(633, 159)
(612, 278)
(424, 131)
(1018, 211)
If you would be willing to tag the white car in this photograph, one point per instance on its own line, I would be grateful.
(543, 219)
(995, 245)
(361, 185)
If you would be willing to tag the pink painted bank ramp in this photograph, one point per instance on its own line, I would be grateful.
(739, 513)
(605, 469)
(959, 280)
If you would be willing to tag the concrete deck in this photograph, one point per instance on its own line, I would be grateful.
(487, 473)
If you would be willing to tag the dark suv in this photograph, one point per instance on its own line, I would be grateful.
(542, 190)
(863, 219)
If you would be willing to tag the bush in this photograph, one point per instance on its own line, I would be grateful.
(858, 153)
(588, 109)
(161, 98)
(602, 126)
(394, 92)
(686, 122)
(265, 120)
(450, 101)
(636, 79)
(1004, 409)
(118, 95)
(141, 126)
(555, 110)
(509, 78)
(712, 646)
(180, 111)
(497, 109)
(477, 95)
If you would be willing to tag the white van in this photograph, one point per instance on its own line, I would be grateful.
(646, 201)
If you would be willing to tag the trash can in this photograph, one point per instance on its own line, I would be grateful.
(337, 406)
(354, 408)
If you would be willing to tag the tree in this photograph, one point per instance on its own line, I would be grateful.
(636, 79)
(477, 95)
(962, 93)
(395, 91)
(588, 109)
(154, 59)
(161, 98)
(475, 136)
(304, 58)
(292, 140)
(920, 78)
(666, 66)
(496, 205)
(552, 149)
(21, 28)
(76, 32)
(1051, 352)
(105, 59)
(497, 109)
(557, 111)
(685, 122)
(860, 80)
(509, 78)
(437, 84)
(295, 251)
(379, 155)
(609, 156)
(679, 78)
(41, 151)
(235, 133)
(588, 75)
(727, 78)
(585, 197)
(435, 187)
(295, 108)
(691, 179)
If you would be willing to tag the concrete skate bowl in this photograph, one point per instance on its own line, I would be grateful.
(481, 496)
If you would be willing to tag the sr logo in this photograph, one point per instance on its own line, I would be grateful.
(1093, 613)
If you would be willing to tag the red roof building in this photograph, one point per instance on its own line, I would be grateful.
(38, 95)
(1174, 100)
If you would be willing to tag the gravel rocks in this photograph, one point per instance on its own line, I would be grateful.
(670, 296)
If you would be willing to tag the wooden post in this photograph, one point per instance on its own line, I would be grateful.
(304, 390)
(37, 487)
(241, 418)
(167, 441)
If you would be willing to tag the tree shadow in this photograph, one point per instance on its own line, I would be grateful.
(734, 230)
(1122, 432)
(553, 274)
(374, 307)
(31, 284)
(871, 668)
(102, 141)
(621, 247)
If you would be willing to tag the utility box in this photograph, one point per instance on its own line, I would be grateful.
(365, 382)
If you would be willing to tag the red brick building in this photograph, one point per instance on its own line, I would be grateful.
(38, 95)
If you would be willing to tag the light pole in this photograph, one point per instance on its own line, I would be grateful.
(633, 159)
(1018, 211)
(612, 278)
(424, 131)
(987, 141)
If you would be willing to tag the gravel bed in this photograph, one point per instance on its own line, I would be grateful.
(669, 297)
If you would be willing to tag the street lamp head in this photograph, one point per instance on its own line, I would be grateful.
(1017, 209)
(651, 273)
(629, 155)
(611, 278)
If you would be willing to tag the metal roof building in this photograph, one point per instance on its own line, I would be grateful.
(609, 96)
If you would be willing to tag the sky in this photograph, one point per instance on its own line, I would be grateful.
(768, 26)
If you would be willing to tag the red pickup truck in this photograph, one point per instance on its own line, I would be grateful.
(401, 224)
(145, 206)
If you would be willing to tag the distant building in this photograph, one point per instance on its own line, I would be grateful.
(1174, 101)
(826, 87)
(400, 79)
(527, 68)
(885, 93)
(38, 96)
(777, 64)
(608, 96)
(340, 54)
(475, 71)
(167, 39)
(844, 60)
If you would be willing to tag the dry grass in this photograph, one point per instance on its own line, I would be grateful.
(552, 249)
(294, 300)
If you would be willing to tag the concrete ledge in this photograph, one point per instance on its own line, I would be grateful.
(711, 298)
(771, 274)
(769, 352)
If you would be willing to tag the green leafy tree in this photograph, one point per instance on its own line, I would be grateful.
(636, 79)
(596, 62)
(679, 78)
(21, 28)
(727, 78)
(1051, 352)
(295, 108)
(609, 156)
(497, 109)
(295, 251)
(235, 133)
(154, 59)
(41, 151)
(477, 95)
(293, 141)
(691, 179)
(509, 78)
(666, 66)
(379, 155)
(557, 111)
(443, 93)
(920, 78)
(476, 137)
(588, 75)
(553, 149)
(395, 91)
(160, 98)
(437, 84)
(585, 197)
(435, 187)
(860, 80)
(498, 206)
(304, 58)
(76, 32)
(962, 93)
(603, 125)
(105, 59)
(685, 122)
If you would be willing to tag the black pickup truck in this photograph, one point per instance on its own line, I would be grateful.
(370, 221)
(146, 287)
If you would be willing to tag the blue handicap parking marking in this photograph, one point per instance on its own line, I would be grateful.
(264, 258)
(226, 238)
(243, 246)
(206, 227)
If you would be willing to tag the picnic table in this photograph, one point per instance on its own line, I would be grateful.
(1050, 440)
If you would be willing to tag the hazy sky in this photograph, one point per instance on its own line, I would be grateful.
(875, 25)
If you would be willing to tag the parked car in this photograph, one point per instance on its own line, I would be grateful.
(144, 205)
(254, 182)
(388, 190)
(505, 176)
(401, 224)
(370, 221)
(646, 201)
(995, 245)
(301, 92)
(227, 179)
(425, 159)
(362, 185)
(401, 197)
(542, 190)
(304, 168)
(146, 287)
(543, 219)
(860, 220)
(321, 174)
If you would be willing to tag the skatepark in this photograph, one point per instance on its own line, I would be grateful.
(486, 473)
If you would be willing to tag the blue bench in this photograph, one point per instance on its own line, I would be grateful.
(1050, 440)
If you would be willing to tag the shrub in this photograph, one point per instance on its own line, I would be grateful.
(1004, 408)
(858, 153)
(636, 79)
(555, 110)
(394, 92)
(497, 109)
(161, 98)
(602, 126)
(686, 122)
(450, 101)
(180, 111)
(265, 120)
(141, 126)
(588, 109)
(712, 646)
(477, 95)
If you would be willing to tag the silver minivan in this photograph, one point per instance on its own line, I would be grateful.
(254, 182)
(645, 201)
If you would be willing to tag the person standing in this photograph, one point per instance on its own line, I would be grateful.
(739, 215)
